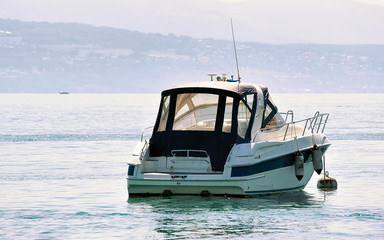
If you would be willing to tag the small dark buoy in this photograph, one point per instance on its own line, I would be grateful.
(299, 165)
(327, 183)
(317, 159)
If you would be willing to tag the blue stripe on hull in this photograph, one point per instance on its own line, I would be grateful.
(272, 164)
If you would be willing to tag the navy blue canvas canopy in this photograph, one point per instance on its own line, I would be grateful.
(216, 141)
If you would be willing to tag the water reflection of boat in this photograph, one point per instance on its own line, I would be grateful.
(193, 217)
(189, 204)
(225, 138)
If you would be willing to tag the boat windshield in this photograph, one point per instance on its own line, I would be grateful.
(210, 112)
(272, 118)
(196, 111)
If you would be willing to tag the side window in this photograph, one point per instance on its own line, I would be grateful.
(227, 124)
(243, 118)
(164, 114)
(250, 98)
(272, 118)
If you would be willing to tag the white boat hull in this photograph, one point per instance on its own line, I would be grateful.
(278, 180)
(251, 169)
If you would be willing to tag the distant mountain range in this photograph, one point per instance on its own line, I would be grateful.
(77, 58)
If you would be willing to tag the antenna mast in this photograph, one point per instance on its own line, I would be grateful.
(234, 46)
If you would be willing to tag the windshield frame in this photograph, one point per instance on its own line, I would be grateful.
(223, 94)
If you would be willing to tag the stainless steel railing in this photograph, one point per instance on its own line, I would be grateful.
(314, 124)
(144, 131)
(186, 154)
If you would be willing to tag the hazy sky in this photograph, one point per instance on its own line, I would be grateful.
(272, 21)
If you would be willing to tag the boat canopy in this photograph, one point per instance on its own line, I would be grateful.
(242, 88)
(209, 117)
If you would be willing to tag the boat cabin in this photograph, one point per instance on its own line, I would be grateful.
(208, 118)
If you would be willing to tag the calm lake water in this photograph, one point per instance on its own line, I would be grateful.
(63, 168)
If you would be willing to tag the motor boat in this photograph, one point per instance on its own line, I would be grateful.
(225, 137)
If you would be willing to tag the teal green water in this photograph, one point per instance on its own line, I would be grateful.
(63, 167)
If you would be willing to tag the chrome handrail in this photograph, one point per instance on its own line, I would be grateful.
(315, 123)
(289, 112)
(144, 130)
(173, 152)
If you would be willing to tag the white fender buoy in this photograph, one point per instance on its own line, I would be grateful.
(299, 165)
(317, 157)
(327, 183)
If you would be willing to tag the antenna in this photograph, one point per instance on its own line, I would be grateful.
(234, 46)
